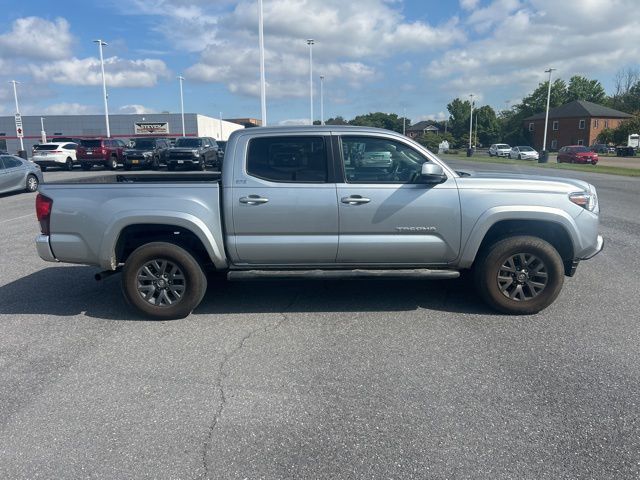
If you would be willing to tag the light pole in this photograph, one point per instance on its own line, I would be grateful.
(221, 126)
(470, 126)
(15, 95)
(545, 155)
(321, 99)
(181, 79)
(475, 144)
(404, 121)
(43, 134)
(310, 42)
(104, 85)
(263, 87)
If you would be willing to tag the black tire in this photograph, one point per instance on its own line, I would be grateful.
(202, 166)
(112, 163)
(68, 164)
(86, 167)
(32, 183)
(492, 261)
(519, 157)
(155, 163)
(194, 281)
(171, 167)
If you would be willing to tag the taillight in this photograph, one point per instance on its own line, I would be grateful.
(43, 212)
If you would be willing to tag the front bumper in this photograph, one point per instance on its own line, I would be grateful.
(185, 161)
(596, 250)
(44, 248)
(138, 161)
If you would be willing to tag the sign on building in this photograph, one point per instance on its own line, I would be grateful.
(151, 128)
(19, 131)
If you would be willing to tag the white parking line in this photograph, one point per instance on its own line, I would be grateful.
(18, 218)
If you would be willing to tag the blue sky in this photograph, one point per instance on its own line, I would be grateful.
(376, 55)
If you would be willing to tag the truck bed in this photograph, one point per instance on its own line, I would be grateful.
(142, 177)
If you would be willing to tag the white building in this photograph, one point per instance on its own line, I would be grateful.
(123, 126)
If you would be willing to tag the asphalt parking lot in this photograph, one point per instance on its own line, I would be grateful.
(321, 379)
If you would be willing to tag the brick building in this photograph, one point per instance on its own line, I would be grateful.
(574, 123)
(420, 128)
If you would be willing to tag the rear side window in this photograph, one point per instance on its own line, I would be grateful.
(11, 162)
(288, 159)
(70, 146)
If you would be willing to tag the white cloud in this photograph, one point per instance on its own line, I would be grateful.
(135, 108)
(434, 116)
(119, 72)
(37, 38)
(64, 108)
(469, 4)
(534, 35)
(294, 121)
(350, 38)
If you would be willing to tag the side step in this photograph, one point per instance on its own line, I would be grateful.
(234, 275)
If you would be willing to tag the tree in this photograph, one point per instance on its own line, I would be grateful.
(337, 121)
(606, 136)
(581, 88)
(432, 140)
(389, 121)
(459, 111)
(488, 125)
(536, 102)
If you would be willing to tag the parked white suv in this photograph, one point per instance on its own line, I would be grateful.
(499, 150)
(55, 154)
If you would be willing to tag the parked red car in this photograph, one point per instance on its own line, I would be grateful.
(100, 151)
(577, 154)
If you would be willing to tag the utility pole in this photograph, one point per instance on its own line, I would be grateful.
(476, 142)
(18, 117)
(263, 85)
(470, 126)
(104, 85)
(321, 99)
(310, 42)
(220, 117)
(545, 154)
(404, 121)
(181, 79)
(43, 134)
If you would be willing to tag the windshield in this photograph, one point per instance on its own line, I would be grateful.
(188, 142)
(145, 144)
(502, 146)
(580, 149)
(525, 149)
(45, 147)
(91, 143)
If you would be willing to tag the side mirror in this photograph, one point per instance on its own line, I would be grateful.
(432, 173)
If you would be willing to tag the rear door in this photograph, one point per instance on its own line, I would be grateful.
(4, 185)
(14, 172)
(283, 201)
(386, 216)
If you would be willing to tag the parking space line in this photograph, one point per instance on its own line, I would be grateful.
(17, 218)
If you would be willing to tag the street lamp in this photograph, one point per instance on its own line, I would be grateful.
(15, 95)
(310, 42)
(469, 152)
(321, 99)
(181, 79)
(545, 155)
(263, 88)
(104, 85)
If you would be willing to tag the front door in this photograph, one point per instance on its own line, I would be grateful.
(284, 202)
(386, 215)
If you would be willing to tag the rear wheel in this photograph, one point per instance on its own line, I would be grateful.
(112, 164)
(155, 163)
(519, 157)
(202, 165)
(68, 164)
(520, 275)
(32, 183)
(163, 281)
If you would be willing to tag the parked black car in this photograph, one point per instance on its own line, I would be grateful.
(147, 153)
(193, 152)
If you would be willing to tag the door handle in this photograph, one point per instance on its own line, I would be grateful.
(253, 200)
(355, 200)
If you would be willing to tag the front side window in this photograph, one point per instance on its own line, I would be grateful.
(288, 159)
(380, 160)
(70, 146)
(11, 162)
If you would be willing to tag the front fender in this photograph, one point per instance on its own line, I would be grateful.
(519, 212)
(212, 241)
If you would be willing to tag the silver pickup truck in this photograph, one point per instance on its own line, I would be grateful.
(322, 201)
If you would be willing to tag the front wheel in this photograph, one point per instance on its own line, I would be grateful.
(519, 157)
(519, 275)
(112, 164)
(163, 281)
(69, 164)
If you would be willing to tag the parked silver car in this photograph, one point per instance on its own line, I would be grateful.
(499, 150)
(524, 153)
(18, 174)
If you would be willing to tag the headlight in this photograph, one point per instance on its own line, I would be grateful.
(147, 154)
(586, 200)
(196, 153)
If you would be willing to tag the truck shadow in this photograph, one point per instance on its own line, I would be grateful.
(71, 290)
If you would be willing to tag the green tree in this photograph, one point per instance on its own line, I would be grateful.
(389, 121)
(606, 136)
(336, 121)
(432, 140)
(488, 125)
(536, 102)
(581, 88)
(459, 111)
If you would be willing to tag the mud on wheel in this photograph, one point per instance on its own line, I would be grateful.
(163, 281)
(519, 275)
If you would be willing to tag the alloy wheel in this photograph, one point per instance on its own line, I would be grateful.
(522, 277)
